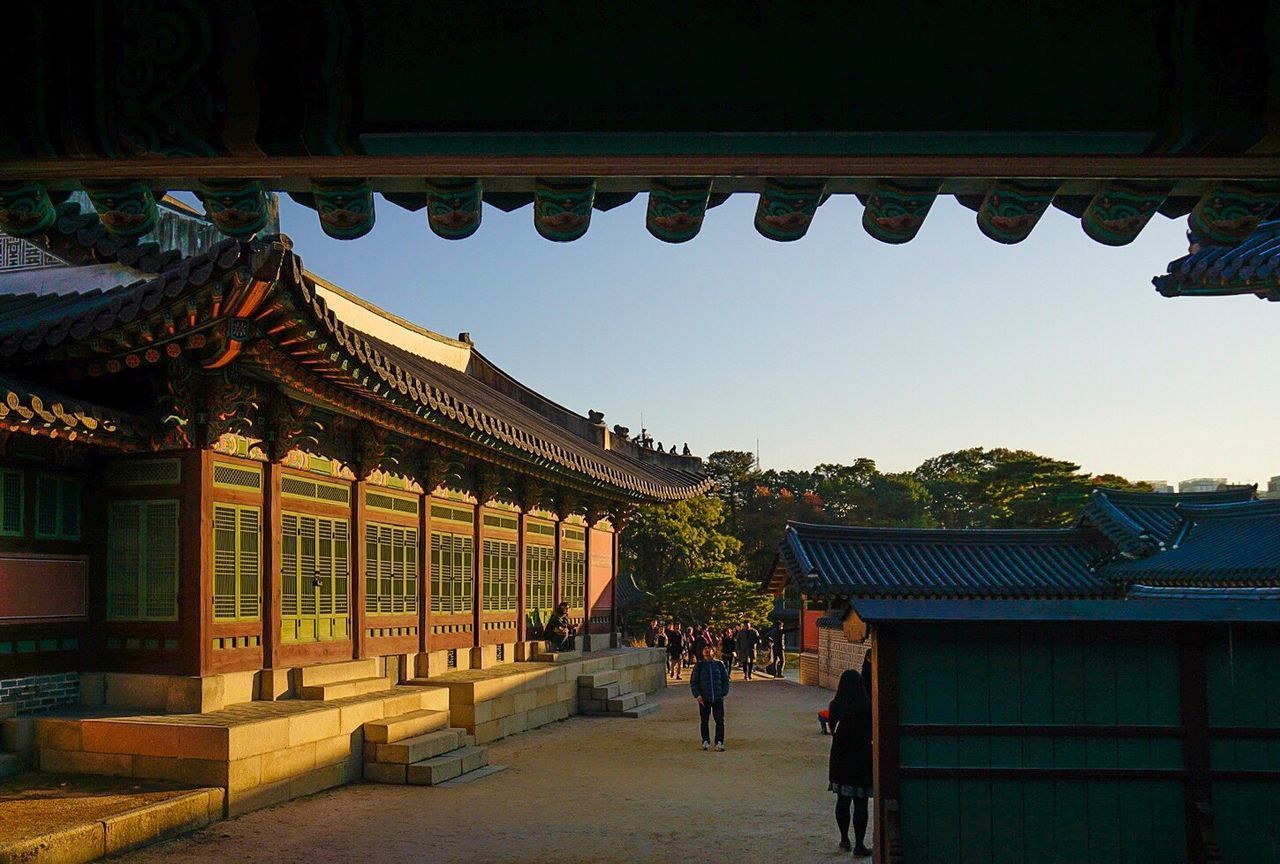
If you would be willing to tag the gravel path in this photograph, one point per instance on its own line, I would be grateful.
(600, 790)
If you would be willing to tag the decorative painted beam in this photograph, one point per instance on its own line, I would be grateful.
(237, 208)
(562, 208)
(1119, 211)
(1229, 212)
(25, 209)
(1011, 208)
(345, 206)
(126, 208)
(454, 207)
(676, 210)
(786, 208)
(895, 209)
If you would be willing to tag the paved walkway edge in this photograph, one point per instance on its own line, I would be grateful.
(132, 829)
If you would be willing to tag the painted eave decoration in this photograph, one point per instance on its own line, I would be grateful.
(1253, 267)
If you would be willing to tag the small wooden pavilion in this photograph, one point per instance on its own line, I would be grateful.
(1106, 692)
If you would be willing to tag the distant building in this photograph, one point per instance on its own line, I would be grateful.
(1272, 490)
(1202, 484)
(1161, 486)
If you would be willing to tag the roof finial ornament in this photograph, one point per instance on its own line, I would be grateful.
(621, 431)
(596, 417)
(465, 336)
(672, 451)
(687, 451)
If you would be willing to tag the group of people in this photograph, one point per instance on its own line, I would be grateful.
(737, 646)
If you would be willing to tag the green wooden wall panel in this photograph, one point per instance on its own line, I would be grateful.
(973, 751)
(1037, 751)
(1163, 687)
(973, 681)
(1069, 753)
(1099, 659)
(940, 682)
(943, 751)
(1006, 823)
(1006, 751)
(1133, 753)
(1070, 822)
(1036, 682)
(1166, 753)
(1068, 683)
(913, 751)
(1039, 839)
(913, 664)
(1101, 753)
(1135, 823)
(1104, 821)
(1168, 823)
(976, 817)
(913, 814)
(1004, 696)
(1133, 706)
(1247, 819)
(943, 821)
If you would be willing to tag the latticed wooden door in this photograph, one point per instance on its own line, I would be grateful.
(315, 578)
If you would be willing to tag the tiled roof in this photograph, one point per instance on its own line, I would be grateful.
(1141, 523)
(890, 562)
(1216, 545)
(39, 409)
(1215, 540)
(456, 401)
(1253, 267)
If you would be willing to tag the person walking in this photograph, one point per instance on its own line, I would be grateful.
(849, 767)
(651, 635)
(698, 641)
(728, 649)
(675, 652)
(777, 649)
(688, 657)
(709, 683)
(748, 642)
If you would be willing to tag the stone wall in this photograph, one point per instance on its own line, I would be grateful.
(836, 654)
(33, 694)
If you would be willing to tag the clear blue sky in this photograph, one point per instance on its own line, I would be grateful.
(838, 346)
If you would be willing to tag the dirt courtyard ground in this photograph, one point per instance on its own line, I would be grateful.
(589, 789)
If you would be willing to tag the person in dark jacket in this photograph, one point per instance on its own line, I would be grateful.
(559, 632)
(777, 649)
(849, 768)
(675, 652)
(728, 649)
(748, 642)
(709, 683)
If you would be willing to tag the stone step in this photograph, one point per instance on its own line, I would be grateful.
(402, 726)
(556, 656)
(330, 673)
(611, 691)
(641, 710)
(404, 700)
(432, 772)
(420, 747)
(342, 689)
(625, 702)
(599, 679)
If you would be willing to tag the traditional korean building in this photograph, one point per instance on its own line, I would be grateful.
(212, 461)
(1109, 687)
(1206, 270)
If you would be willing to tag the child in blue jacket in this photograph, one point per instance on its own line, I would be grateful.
(709, 682)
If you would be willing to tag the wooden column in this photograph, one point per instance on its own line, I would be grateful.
(272, 565)
(886, 752)
(557, 588)
(1194, 709)
(586, 583)
(521, 575)
(195, 562)
(477, 574)
(359, 555)
(613, 584)
(424, 570)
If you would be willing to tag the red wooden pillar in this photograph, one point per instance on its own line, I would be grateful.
(613, 587)
(521, 576)
(586, 583)
(272, 562)
(477, 574)
(886, 753)
(1194, 709)
(424, 569)
(359, 555)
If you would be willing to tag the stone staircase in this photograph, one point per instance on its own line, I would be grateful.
(328, 681)
(542, 653)
(420, 749)
(600, 695)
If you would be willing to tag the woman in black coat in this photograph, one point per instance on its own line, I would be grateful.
(849, 771)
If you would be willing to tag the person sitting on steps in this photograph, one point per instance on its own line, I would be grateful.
(559, 632)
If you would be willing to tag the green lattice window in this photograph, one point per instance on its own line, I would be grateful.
(315, 569)
(452, 570)
(500, 562)
(573, 578)
(539, 580)
(57, 508)
(11, 503)
(237, 562)
(142, 560)
(390, 569)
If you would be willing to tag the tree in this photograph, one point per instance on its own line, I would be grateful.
(733, 472)
(665, 543)
(717, 599)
